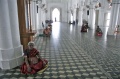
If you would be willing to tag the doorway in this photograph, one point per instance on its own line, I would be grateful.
(56, 15)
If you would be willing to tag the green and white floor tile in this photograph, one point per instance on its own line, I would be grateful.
(73, 55)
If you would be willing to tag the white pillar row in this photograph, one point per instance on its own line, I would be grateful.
(80, 16)
(11, 49)
(113, 17)
(91, 20)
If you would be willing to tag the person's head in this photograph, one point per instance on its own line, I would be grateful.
(31, 45)
(97, 26)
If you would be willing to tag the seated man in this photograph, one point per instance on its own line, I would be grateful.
(46, 31)
(33, 62)
(98, 31)
(84, 28)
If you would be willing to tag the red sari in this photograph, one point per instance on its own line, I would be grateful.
(84, 28)
(34, 67)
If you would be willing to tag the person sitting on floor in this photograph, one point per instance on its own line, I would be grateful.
(46, 31)
(84, 28)
(50, 27)
(98, 31)
(117, 29)
(32, 60)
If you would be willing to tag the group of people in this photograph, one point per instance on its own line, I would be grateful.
(33, 62)
(85, 27)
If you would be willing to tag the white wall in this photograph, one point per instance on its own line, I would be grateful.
(60, 6)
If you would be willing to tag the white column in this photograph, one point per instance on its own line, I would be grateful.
(18, 48)
(26, 14)
(39, 18)
(11, 49)
(102, 11)
(74, 14)
(42, 19)
(33, 15)
(5, 35)
(85, 16)
(6, 38)
(101, 17)
(91, 21)
(80, 16)
(118, 22)
(114, 17)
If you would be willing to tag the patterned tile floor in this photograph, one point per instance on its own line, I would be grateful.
(74, 55)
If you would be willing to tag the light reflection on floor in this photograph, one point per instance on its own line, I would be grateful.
(56, 30)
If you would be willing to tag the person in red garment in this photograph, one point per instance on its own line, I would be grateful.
(84, 28)
(33, 62)
(47, 31)
(98, 31)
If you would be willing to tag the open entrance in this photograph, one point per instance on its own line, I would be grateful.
(56, 15)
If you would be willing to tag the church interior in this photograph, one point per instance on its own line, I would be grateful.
(74, 49)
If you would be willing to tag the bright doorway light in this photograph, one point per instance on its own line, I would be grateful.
(56, 15)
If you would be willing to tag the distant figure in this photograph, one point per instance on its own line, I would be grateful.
(76, 21)
(84, 28)
(69, 22)
(73, 22)
(42, 25)
(55, 19)
(98, 31)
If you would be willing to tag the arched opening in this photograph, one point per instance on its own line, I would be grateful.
(56, 15)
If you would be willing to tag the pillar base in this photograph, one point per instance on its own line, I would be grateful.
(11, 58)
